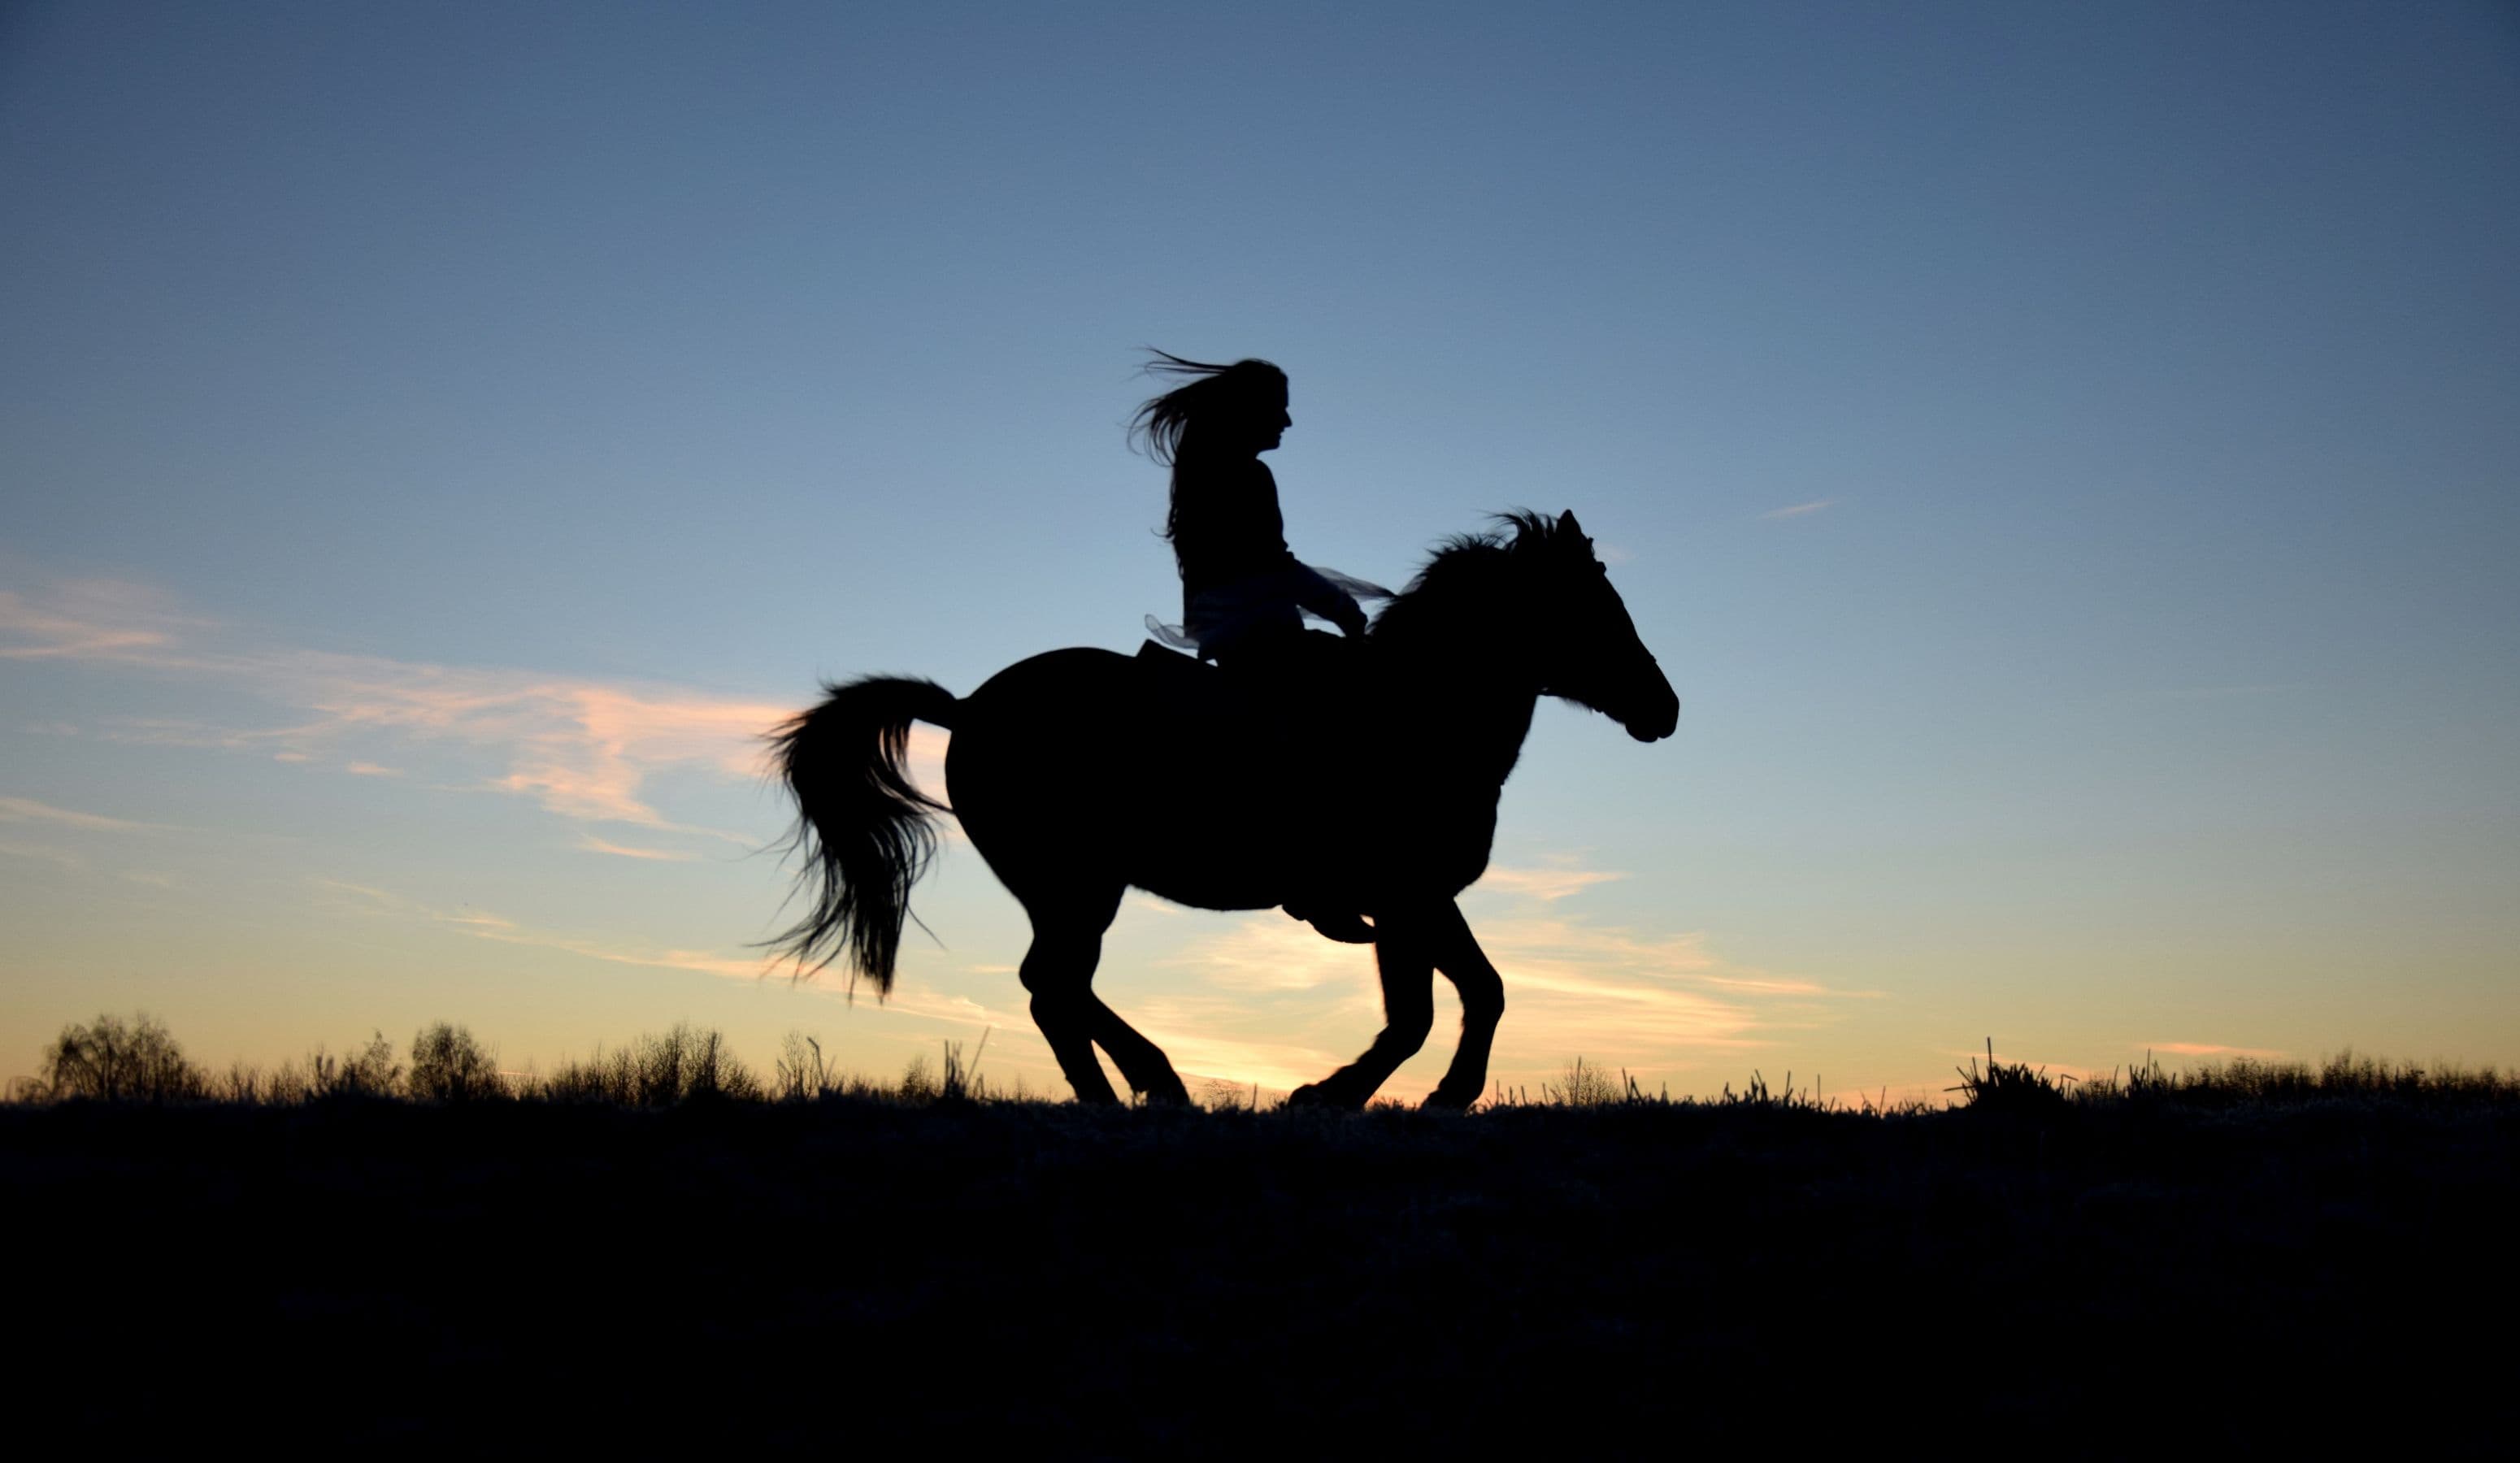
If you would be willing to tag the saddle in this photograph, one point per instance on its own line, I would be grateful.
(1278, 709)
(1282, 703)
(1164, 660)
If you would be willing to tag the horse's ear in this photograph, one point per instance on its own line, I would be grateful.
(1566, 523)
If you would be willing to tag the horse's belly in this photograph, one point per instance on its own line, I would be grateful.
(1083, 770)
(1207, 879)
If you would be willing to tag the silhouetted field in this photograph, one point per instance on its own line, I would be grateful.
(2262, 1255)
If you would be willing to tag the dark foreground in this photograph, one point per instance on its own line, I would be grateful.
(852, 1274)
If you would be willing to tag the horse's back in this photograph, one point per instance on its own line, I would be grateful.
(1084, 697)
(1088, 767)
(1078, 669)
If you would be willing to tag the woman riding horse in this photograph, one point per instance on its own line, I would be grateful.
(1045, 776)
(1243, 593)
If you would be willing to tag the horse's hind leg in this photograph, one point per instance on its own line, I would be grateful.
(1139, 1060)
(1058, 971)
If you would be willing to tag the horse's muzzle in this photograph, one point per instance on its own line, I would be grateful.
(1656, 721)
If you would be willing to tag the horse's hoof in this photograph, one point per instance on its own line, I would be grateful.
(1318, 1097)
(1440, 1102)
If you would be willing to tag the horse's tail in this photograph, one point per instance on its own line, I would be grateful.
(865, 830)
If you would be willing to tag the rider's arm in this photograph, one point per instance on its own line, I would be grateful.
(1329, 601)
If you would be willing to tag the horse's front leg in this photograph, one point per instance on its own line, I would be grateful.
(1457, 953)
(1405, 957)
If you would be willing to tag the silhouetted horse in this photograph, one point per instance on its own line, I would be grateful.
(1241, 809)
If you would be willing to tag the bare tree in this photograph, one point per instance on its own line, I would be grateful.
(111, 1060)
(448, 1065)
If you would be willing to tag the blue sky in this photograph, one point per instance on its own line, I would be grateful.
(2064, 457)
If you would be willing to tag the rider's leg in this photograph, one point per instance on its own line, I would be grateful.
(1345, 926)
(1300, 669)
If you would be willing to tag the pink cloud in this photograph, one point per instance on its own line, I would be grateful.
(84, 619)
(1549, 884)
(584, 748)
(2212, 1048)
(595, 845)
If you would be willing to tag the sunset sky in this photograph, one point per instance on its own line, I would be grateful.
(2065, 457)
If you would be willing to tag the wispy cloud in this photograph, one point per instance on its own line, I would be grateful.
(1271, 952)
(595, 845)
(1649, 1003)
(482, 924)
(27, 809)
(1203, 1046)
(84, 619)
(41, 853)
(1548, 884)
(372, 770)
(585, 750)
(2212, 1048)
(1634, 1000)
(1800, 509)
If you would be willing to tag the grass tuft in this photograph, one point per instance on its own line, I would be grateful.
(2008, 1088)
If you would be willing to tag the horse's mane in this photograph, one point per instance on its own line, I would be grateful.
(1478, 568)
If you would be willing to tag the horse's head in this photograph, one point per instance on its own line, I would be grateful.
(1587, 648)
(1532, 598)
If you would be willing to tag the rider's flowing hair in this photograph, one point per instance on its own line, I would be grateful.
(1170, 426)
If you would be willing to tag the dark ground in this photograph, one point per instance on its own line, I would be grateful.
(856, 1274)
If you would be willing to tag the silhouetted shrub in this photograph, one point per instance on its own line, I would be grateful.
(918, 1082)
(242, 1083)
(370, 1072)
(1222, 1096)
(683, 1065)
(1584, 1086)
(598, 1079)
(448, 1066)
(801, 1072)
(110, 1060)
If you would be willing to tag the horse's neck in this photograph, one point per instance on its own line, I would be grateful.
(1457, 718)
